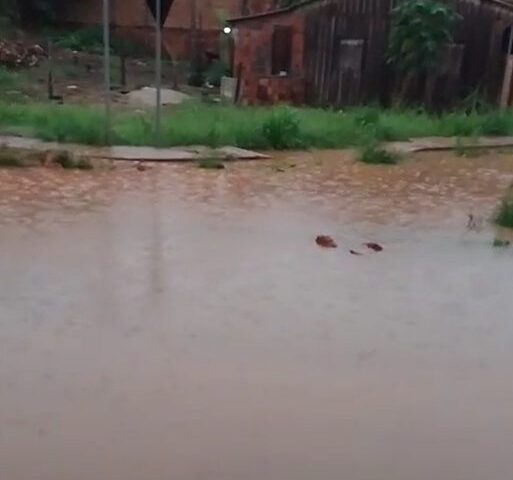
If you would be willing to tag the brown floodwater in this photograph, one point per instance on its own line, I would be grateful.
(183, 324)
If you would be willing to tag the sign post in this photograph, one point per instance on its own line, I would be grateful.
(158, 70)
(160, 10)
(106, 67)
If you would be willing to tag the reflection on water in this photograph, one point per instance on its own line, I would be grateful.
(179, 323)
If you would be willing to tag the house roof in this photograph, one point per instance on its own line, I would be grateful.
(506, 4)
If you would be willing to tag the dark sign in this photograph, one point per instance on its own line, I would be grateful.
(164, 8)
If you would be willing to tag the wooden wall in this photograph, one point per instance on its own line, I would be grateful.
(328, 22)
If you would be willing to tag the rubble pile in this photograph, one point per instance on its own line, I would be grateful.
(15, 54)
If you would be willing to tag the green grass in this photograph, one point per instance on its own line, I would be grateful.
(504, 215)
(250, 127)
(8, 78)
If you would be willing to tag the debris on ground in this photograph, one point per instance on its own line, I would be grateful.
(374, 246)
(354, 252)
(15, 54)
(325, 241)
(474, 223)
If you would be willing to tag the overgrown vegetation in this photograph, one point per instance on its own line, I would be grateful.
(420, 31)
(374, 154)
(89, 39)
(281, 129)
(504, 215)
(249, 127)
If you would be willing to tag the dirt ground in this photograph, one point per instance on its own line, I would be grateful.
(78, 77)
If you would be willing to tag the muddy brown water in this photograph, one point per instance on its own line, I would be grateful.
(182, 324)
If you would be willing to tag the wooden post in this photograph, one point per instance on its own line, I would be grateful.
(508, 73)
(50, 71)
(122, 60)
(106, 67)
(158, 69)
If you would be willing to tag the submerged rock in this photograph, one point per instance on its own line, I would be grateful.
(374, 246)
(325, 241)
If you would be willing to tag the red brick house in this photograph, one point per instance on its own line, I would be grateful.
(268, 56)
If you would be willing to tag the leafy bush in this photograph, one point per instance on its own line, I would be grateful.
(420, 30)
(497, 123)
(88, 39)
(215, 72)
(367, 116)
(504, 215)
(196, 76)
(373, 154)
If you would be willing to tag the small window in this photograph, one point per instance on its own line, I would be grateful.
(281, 50)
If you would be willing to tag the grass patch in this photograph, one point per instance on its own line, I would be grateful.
(258, 128)
(211, 164)
(374, 154)
(88, 39)
(282, 129)
(68, 162)
(10, 160)
(504, 215)
(499, 243)
(8, 78)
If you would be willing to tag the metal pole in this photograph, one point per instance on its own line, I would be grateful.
(106, 67)
(158, 69)
(50, 70)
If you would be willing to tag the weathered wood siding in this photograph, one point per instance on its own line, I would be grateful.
(329, 22)
(480, 30)
(326, 25)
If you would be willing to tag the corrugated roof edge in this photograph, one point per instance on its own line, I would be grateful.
(508, 4)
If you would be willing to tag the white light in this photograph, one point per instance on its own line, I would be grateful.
(227, 30)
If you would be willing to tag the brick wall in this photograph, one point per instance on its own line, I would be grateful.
(134, 18)
(253, 60)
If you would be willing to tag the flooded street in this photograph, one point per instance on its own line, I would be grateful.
(182, 324)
